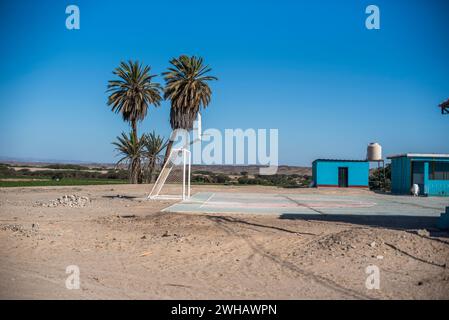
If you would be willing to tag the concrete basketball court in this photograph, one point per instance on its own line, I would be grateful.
(311, 204)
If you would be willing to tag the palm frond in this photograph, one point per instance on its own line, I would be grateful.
(187, 89)
(134, 91)
(128, 148)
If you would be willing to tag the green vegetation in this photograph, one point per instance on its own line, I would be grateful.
(63, 182)
(9, 177)
(69, 176)
(210, 178)
(130, 151)
(205, 172)
(141, 156)
(279, 180)
(188, 90)
(377, 181)
(130, 96)
(153, 144)
(111, 174)
(134, 90)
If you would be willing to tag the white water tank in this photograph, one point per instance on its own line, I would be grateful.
(374, 152)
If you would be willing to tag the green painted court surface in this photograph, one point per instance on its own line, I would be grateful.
(311, 204)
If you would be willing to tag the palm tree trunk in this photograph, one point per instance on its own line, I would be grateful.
(151, 166)
(135, 170)
(135, 167)
(134, 129)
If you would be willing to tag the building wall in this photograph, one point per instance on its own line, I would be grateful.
(435, 187)
(401, 181)
(400, 175)
(325, 173)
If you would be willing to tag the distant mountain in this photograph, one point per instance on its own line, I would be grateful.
(225, 169)
(250, 169)
(40, 162)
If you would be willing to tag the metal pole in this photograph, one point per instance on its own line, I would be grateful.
(188, 177)
(184, 175)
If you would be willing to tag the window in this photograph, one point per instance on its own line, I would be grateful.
(439, 170)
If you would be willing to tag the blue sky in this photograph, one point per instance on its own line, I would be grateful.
(309, 68)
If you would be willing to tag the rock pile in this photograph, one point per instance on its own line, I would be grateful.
(72, 201)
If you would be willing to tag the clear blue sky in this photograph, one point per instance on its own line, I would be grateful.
(309, 68)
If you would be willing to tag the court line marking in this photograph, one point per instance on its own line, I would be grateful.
(213, 194)
(299, 204)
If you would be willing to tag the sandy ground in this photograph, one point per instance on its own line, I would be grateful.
(126, 248)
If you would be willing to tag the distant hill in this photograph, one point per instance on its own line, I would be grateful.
(225, 169)
(31, 162)
(251, 170)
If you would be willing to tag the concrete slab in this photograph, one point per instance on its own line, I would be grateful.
(311, 204)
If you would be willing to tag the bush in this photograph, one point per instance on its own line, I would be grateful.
(6, 171)
(57, 177)
(280, 180)
(377, 181)
(114, 174)
(204, 172)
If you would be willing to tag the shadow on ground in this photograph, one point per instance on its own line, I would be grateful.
(237, 221)
(119, 196)
(404, 223)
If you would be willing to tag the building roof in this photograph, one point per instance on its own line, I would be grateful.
(339, 160)
(420, 155)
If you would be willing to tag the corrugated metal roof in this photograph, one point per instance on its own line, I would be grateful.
(420, 155)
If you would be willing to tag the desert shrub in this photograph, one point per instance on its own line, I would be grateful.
(203, 172)
(280, 180)
(200, 178)
(221, 178)
(57, 177)
(6, 171)
(212, 178)
(115, 174)
(119, 174)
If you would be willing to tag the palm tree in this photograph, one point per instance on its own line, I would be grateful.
(153, 144)
(130, 150)
(188, 90)
(132, 93)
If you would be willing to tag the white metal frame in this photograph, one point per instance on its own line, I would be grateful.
(186, 173)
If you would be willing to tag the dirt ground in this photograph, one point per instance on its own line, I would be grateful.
(126, 248)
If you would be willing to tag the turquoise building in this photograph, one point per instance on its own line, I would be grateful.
(429, 171)
(340, 173)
